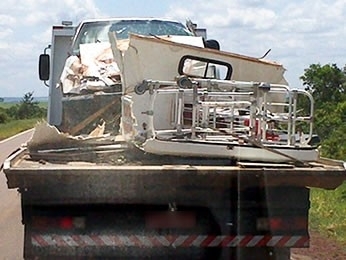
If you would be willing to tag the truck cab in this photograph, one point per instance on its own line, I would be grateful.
(62, 69)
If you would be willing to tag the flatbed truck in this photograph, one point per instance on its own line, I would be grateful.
(90, 203)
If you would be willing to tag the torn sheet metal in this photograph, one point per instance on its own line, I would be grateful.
(46, 136)
(128, 120)
(94, 70)
(157, 58)
(71, 75)
(99, 130)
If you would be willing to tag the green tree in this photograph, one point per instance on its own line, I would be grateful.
(29, 108)
(3, 116)
(327, 84)
(12, 111)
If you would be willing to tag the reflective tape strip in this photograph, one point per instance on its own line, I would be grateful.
(147, 243)
(69, 241)
(274, 240)
(107, 240)
(254, 241)
(235, 241)
(199, 239)
(45, 240)
(216, 241)
(301, 241)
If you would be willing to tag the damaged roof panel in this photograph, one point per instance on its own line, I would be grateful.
(158, 58)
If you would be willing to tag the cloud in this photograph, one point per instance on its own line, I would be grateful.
(7, 23)
(5, 32)
(43, 11)
(7, 20)
(25, 29)
(298, 32)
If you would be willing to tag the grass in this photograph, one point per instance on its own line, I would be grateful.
(14, 127)
(43, 104)
(328, 212)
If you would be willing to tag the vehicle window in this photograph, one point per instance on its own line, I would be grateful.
(98, 31)
(200, 67)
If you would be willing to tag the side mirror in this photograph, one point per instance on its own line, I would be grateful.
(212, 44)
(44, 67)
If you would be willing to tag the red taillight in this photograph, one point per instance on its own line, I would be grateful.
(282, 223)
(66, 223)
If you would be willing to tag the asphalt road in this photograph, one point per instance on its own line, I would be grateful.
(11, 229)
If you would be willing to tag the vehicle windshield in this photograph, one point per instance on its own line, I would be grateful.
(93, 32)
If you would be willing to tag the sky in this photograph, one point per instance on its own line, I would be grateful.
(298, 32)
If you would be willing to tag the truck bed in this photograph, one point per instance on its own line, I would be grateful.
(225, 200)
(140, 180)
